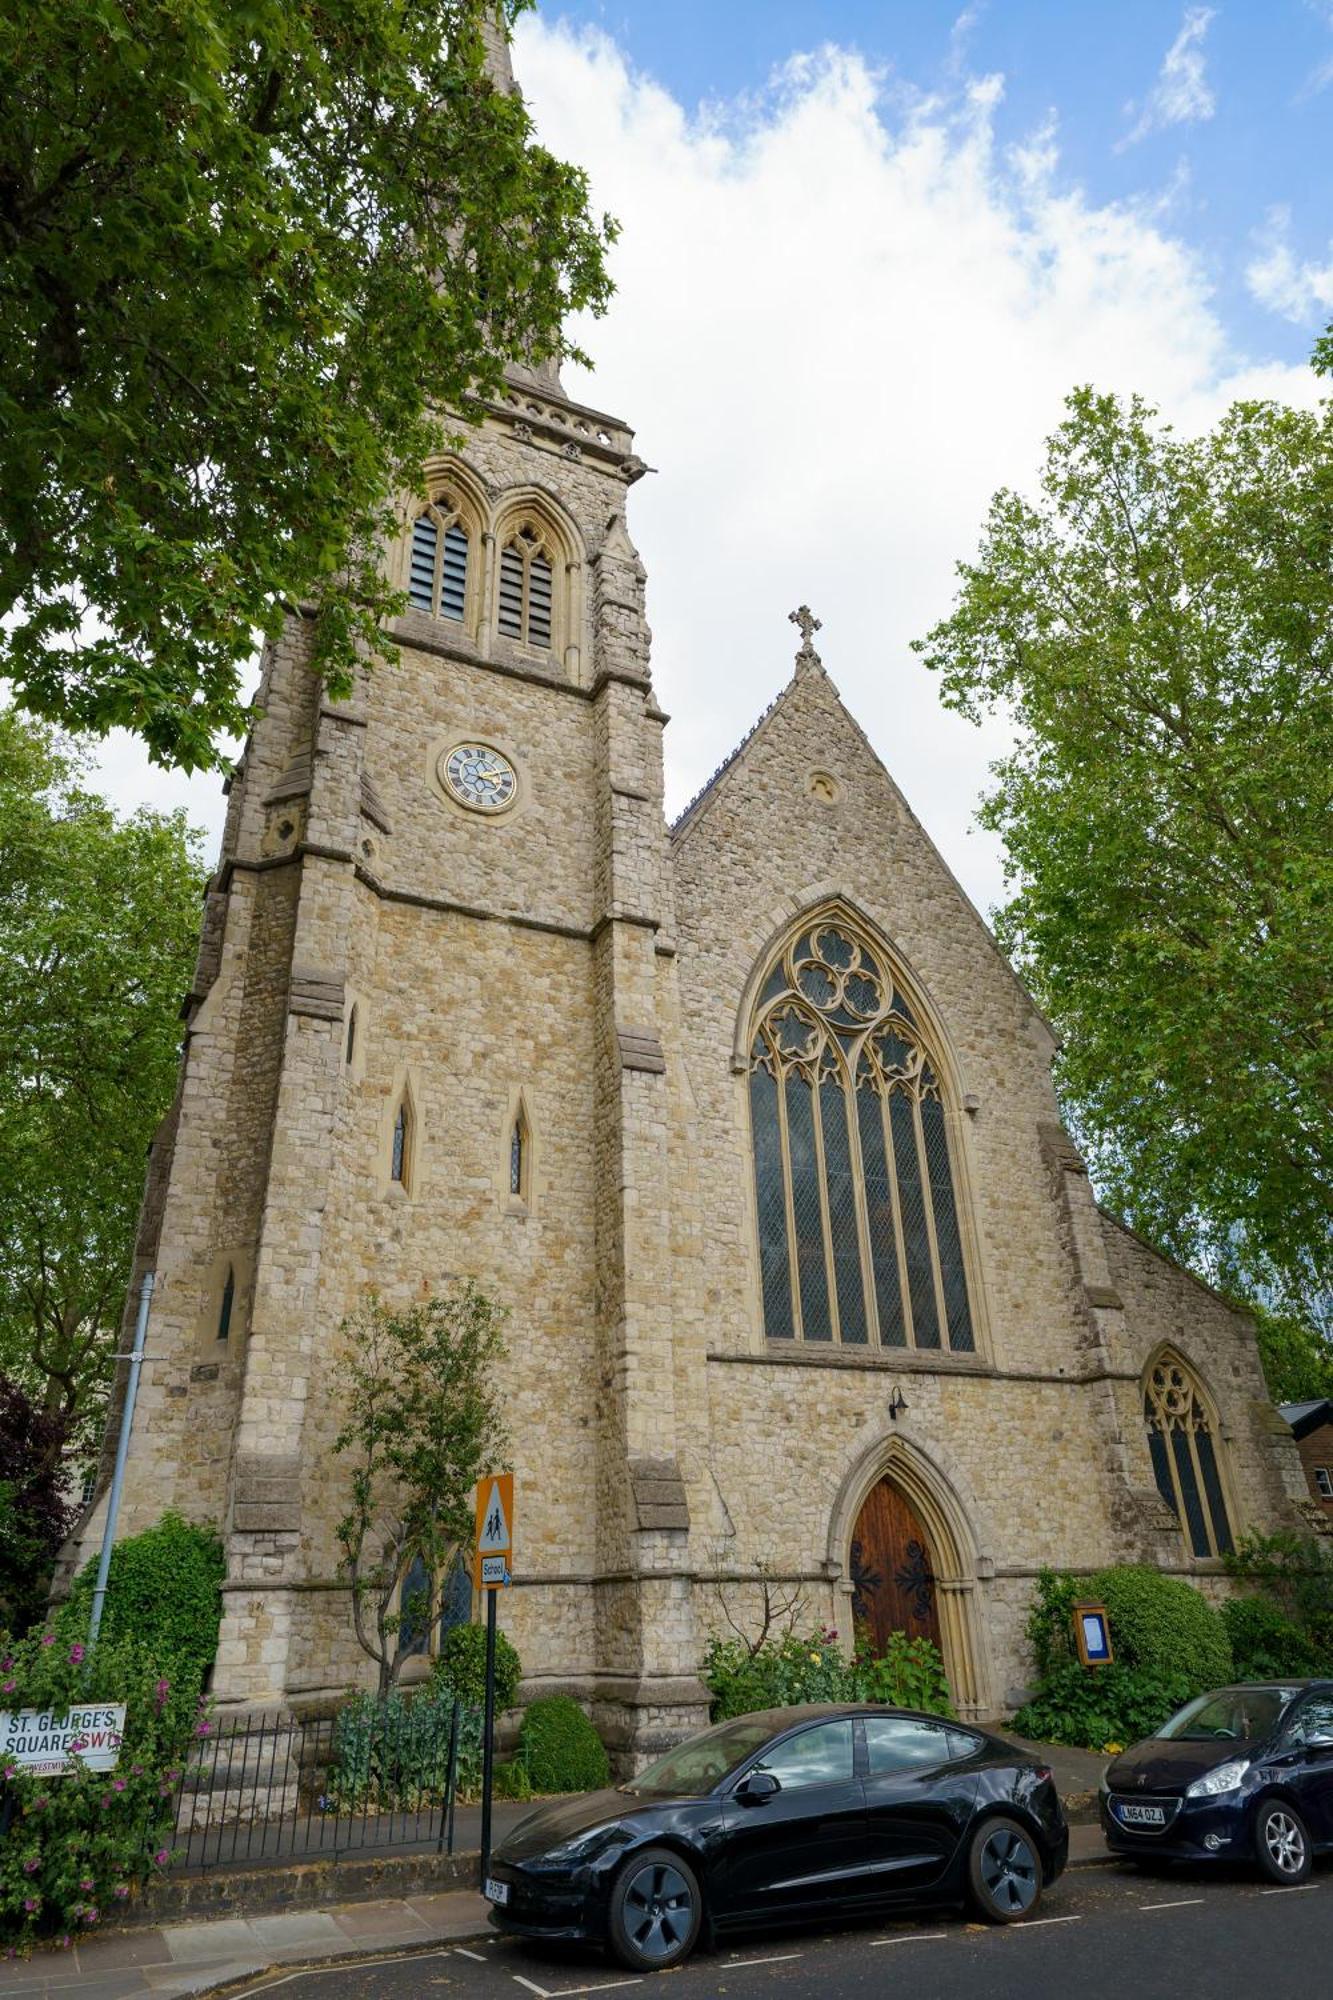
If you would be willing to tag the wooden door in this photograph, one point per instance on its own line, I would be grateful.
(892, 1572)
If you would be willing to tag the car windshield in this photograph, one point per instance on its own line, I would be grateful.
(1236, 1715)
(698, 1765)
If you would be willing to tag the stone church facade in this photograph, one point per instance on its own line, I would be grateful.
(745, 1119)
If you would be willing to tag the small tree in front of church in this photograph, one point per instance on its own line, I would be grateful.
(417, 1386)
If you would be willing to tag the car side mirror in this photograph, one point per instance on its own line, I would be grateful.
(1323, 1741)
(756, 1788)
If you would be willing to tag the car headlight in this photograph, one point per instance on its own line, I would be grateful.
(1226, 1778)
(585, 1845)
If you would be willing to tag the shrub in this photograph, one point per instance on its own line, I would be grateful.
(1296, 1573)
(163, 1590)
(81, 1846)
(461, 1668)
(559, 1748)
(1093, 1707)
(1265, 1645)
(393, 1754)
(1163, 1624)
(908, 1674)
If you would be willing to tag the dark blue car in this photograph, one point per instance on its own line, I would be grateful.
(1244, 1773)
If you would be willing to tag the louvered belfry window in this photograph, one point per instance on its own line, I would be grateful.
(437, 568)
(859, 1233)
(526, 588)
(1184, 1456)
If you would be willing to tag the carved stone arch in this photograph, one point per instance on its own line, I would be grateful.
(948, 1262)
(453, 495)
(534, 510)
(1158, 1391)
(797, 915)
(961, 1569)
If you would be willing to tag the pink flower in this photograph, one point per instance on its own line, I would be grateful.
(204, 1729)
(10, 1686)
(48, 1638)
(64, 1943)
(11, 1771)
(87, 1883)
(117, 1784)
(136, 1770)
(162, 1690)
(76, 1653)
(40, 1805)
(122, 1889)
(161, 1857)
(90, 1916)
(31, 1865)
(30, 1904)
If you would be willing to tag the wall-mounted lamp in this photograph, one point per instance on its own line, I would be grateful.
(897, 1405)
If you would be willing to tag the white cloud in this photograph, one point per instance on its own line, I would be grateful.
(1298, 288)
(842, 323)
(1322, 74)
(1182, 94)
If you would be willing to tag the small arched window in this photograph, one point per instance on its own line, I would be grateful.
(859, 1234)
(351, 1035)
(520, 1149)
(1185, 1457)
(438, 565)
(400, 1155)
(527, 583)
(228, 1301)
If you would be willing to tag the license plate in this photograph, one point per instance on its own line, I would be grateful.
(1132, 1815)
(496, 1892)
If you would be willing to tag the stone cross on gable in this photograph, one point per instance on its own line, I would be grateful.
(809, 625)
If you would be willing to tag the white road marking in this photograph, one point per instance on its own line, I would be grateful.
(912, 1937)
(1035, 1923)
(739, 1964)
(607, 1986)
(1294, 1890)
(461, 1951)
(540, 1991)
(1189, 1903)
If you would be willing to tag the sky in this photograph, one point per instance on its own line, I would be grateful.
(865, 252)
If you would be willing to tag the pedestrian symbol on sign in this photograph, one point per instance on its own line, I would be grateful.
(495, 1528)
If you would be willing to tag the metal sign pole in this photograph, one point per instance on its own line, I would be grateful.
(122, 1453)
(488, 1740)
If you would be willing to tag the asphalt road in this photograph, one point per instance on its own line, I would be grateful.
(1101, 1934)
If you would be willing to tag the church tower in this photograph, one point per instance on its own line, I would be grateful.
(425, 1041)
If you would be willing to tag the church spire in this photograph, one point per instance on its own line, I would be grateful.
(495, 39)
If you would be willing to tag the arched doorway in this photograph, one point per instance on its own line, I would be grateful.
(903, 1550)
(893, 1569)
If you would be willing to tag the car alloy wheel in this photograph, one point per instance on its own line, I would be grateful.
(1283, 1844)
(656, 1910)
(1004, 1871)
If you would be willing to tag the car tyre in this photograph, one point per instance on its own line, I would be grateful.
(1004, 1871)
(656, 1911)
(1282, 1843)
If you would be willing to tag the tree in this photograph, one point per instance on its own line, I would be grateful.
(35, 1510)
(1159, 627)
(99, 919)
(241, 244)
(421, 1424)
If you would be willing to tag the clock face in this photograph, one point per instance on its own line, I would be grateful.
(480, 777)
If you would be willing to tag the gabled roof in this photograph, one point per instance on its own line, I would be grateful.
(1307, 1417)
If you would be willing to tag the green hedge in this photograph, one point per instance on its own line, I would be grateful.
(559, 1748)
(1169, 1644)
(1265, 1645)
(163, 1591)
(908, 1674)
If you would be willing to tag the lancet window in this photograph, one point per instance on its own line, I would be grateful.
(1185, 1456)
(438, 563)
(859, 1232)
(527, 582)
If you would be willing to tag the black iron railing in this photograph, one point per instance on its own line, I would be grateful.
(275, 1788)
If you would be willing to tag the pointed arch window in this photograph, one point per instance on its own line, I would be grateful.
(437, 574)
(228, 1301)
(527, 586)
(518, 1159)
(1185, 1459)
(859, 1233)
(400, 1151)
(351, 1035)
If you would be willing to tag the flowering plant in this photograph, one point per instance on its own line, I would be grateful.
(80, 1844)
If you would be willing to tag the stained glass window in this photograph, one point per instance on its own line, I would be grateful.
(860, 1239)
(1184, 1457)
(414, 1610)
(438, 561)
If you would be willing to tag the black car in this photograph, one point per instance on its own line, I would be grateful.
(1242, 1773)
(793, 1815)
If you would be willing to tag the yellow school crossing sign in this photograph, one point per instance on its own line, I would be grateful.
(493, 1543)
